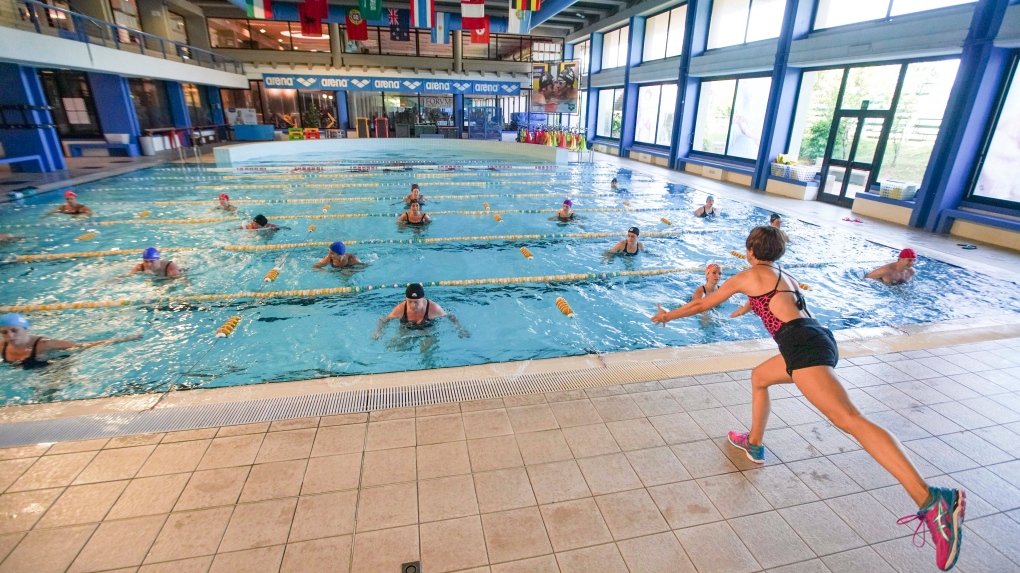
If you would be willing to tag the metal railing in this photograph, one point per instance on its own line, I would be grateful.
(54, 21)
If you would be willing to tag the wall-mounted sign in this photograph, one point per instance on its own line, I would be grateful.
(555, 87)
(391, 84)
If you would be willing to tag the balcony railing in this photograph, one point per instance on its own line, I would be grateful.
(53, 21)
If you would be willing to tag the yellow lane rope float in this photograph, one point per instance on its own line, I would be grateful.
(272, 274)
(144, 214)
(627, 203)
(325, 208)
(360, 199)
(804, 286)
(564, 307)
(527, 254)
(85, 237)
(311, 228)
(228, 327)
(486, 205)
(498, 218)
(738, 255)
(666, 221)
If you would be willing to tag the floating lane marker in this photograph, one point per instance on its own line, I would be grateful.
(666, 221)
(228, 327)
(271, 275)
(85, 237)
(498, 218)
(564, 307)
(527, 254)
(144, 214)
(738, 255)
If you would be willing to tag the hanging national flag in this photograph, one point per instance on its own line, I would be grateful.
(311, 27)
(261, 9)
(357, 27)
(472, 14)
(370, 9)
(519, 21)
(399, 25)
(317, 9)
(441, 31)
(481, 35)
(423, 13)
(526, 5)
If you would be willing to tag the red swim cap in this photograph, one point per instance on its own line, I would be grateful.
(908, 254)
(224, 196)
(69, 193)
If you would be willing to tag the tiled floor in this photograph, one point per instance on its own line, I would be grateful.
(632, 478)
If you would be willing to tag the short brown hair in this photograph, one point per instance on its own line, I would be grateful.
(766, 243)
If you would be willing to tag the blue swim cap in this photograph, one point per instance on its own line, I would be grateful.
(151, 254)
(338, 248)
(13, 319)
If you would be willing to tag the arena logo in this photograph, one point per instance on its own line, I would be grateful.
(333, 82)
(307, 82)
(487, 88)
(437, 86)
(360, 83)
(278, 81)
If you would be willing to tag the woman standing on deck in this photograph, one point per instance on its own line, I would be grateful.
(808, 356)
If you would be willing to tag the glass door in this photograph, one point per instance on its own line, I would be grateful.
(849, 166)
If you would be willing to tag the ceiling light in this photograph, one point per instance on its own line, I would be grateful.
(263, 30)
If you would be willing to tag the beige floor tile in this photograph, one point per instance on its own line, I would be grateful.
(329, 555)
(118, 544)
(714, 547)
(386, 550)
(476, 405)
(213, 488)
(863, 560)
(11, 470)
(262, 560)
(733, 495)
(558, 481)
(79, 446)
(273, 480)
(601, 558)
(134, 440)
(325, 515)
(452, 545)
(772, 542)
(635, 434)
(391, 414)
(615, 408)
(503, 489)
(174, 458)
(343, 419)
(677, 428)
(243, 429)
(149, 496)
(683, 504)
(575, 413)
(390, 434)
(8, 542)
(190, 534)
(48, 550)
(387, 506)
(294, 424)
(437, 409)
(657, 466)
(821, 529)
(19, 511)
(780, 486)
(441, 460)
(332, 473)
(53, 471)
(83, 504)
(631, 514)
(232, 451)
(543, 564)
(523, 400)
(494, 453)
(608, 474)
(258, 525)
(446, 498)
(532, 418)
(115, 464)
(439, 429)
(487, 423)
(586, 441)
(659, 553)
(189, 435)
(289, 445)
(543, 447)
(32, 451)
(193, 565)
(703, 459)
(383, 467)
(575, 524)
(515, 534)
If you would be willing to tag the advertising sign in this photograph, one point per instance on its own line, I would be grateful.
(394, 84)
(555, 87)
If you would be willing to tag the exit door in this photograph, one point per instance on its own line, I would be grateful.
(856, 143)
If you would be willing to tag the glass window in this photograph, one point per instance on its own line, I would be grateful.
(832, 13)
(715, 107)
(997, 179)
(731, 116)
(198, 105)
(738, 21)
(70, 96)
(870, 87)
(656, 106)
(614, 48)
(582, 53)
(250, 98)
(178, 29)
(664, 34)
(610, 115)
(667, 109)
(900, 7)
(151, 104)
(282, 107)
(265, 35)
(816, 104)
(304, 43)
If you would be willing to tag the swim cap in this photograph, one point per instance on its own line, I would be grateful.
(338, 248)
(634, 230)
(710, 265)
(908, 254)
(261, 220)
(614, 180)
(568, 202)
(710, 198)
(151, 254)
(224, 196)
(69, 194)
(13, 319)
(774, 217)
(415, 291)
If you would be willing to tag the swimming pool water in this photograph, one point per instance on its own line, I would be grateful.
(298, 338)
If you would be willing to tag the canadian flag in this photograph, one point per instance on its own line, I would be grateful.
(472, 14)
(480, 35)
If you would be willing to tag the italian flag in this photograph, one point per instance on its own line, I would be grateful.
(261, 9)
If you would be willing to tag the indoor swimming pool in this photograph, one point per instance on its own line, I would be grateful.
(313, 323)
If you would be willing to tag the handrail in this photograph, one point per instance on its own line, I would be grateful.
(81, 25)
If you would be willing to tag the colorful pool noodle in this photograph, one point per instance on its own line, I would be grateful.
(527, 254)
(228, 327)
(564, 307)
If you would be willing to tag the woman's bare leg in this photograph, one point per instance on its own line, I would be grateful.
(772, 371)
(820, 386)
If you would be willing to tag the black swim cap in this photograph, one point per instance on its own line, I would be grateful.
(634, 230)
(415, 291)
(774, 216)
(261, 220)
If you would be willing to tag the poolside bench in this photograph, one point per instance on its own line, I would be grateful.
(949, 215)
(738, 173)
(129, 149)
(24, 159)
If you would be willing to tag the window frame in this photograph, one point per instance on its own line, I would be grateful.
(1010, 207)
(620, 41)
(610, 136)
(585, 68)
(729, 130)
(747, 26)
(658, 111)
(888, 15)
(669, 20)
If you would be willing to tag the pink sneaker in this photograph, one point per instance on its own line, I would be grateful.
(754, 453)
(943, 516)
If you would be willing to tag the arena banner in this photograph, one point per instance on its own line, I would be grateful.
(391, 84)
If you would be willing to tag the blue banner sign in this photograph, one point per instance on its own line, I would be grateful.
(391, 84)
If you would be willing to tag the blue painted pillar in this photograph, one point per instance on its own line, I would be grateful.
(594, 67)
(20, 85)
(971, 106)
(341, 109)
(635, 49)
(458, 114)
(178, 108)
(782, 106)
(215, 105)
(695, 42)
(114, 108)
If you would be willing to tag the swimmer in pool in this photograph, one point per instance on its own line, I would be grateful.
(151, 264)
(414, 216)
(776, 221)
(630, 246)
(807, 357)
(260, 223)
(417, 313)
(20, 348)
(5, 238)
(225, 204)
(713, 273)
(566, 212)
(896, 273)
(614, 185)
(338, 257)
(415, 196)
(708, 209)
(71, 207)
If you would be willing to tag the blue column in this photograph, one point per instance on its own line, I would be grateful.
(971, 106)
(20, 85)
(116, 111)
(779, 114)
(178, 108)
(215, 104)
(458, 113)
(341, 109)
(695, 42)
(594, 67)
(635, 48)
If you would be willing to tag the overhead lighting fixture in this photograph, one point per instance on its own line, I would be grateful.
(263, 30)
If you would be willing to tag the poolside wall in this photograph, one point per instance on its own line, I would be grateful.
(241, 153)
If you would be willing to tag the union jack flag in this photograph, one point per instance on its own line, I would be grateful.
(394, 17)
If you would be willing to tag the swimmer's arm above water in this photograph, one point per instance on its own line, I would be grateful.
(721, 295)
(396, 313)
(436, 311)
(322, 263)
(744, 309)
(94, 343)
(879, 273)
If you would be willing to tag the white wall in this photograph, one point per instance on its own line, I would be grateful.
(415, 148)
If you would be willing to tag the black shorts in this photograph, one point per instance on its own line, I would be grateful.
(804, 342)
